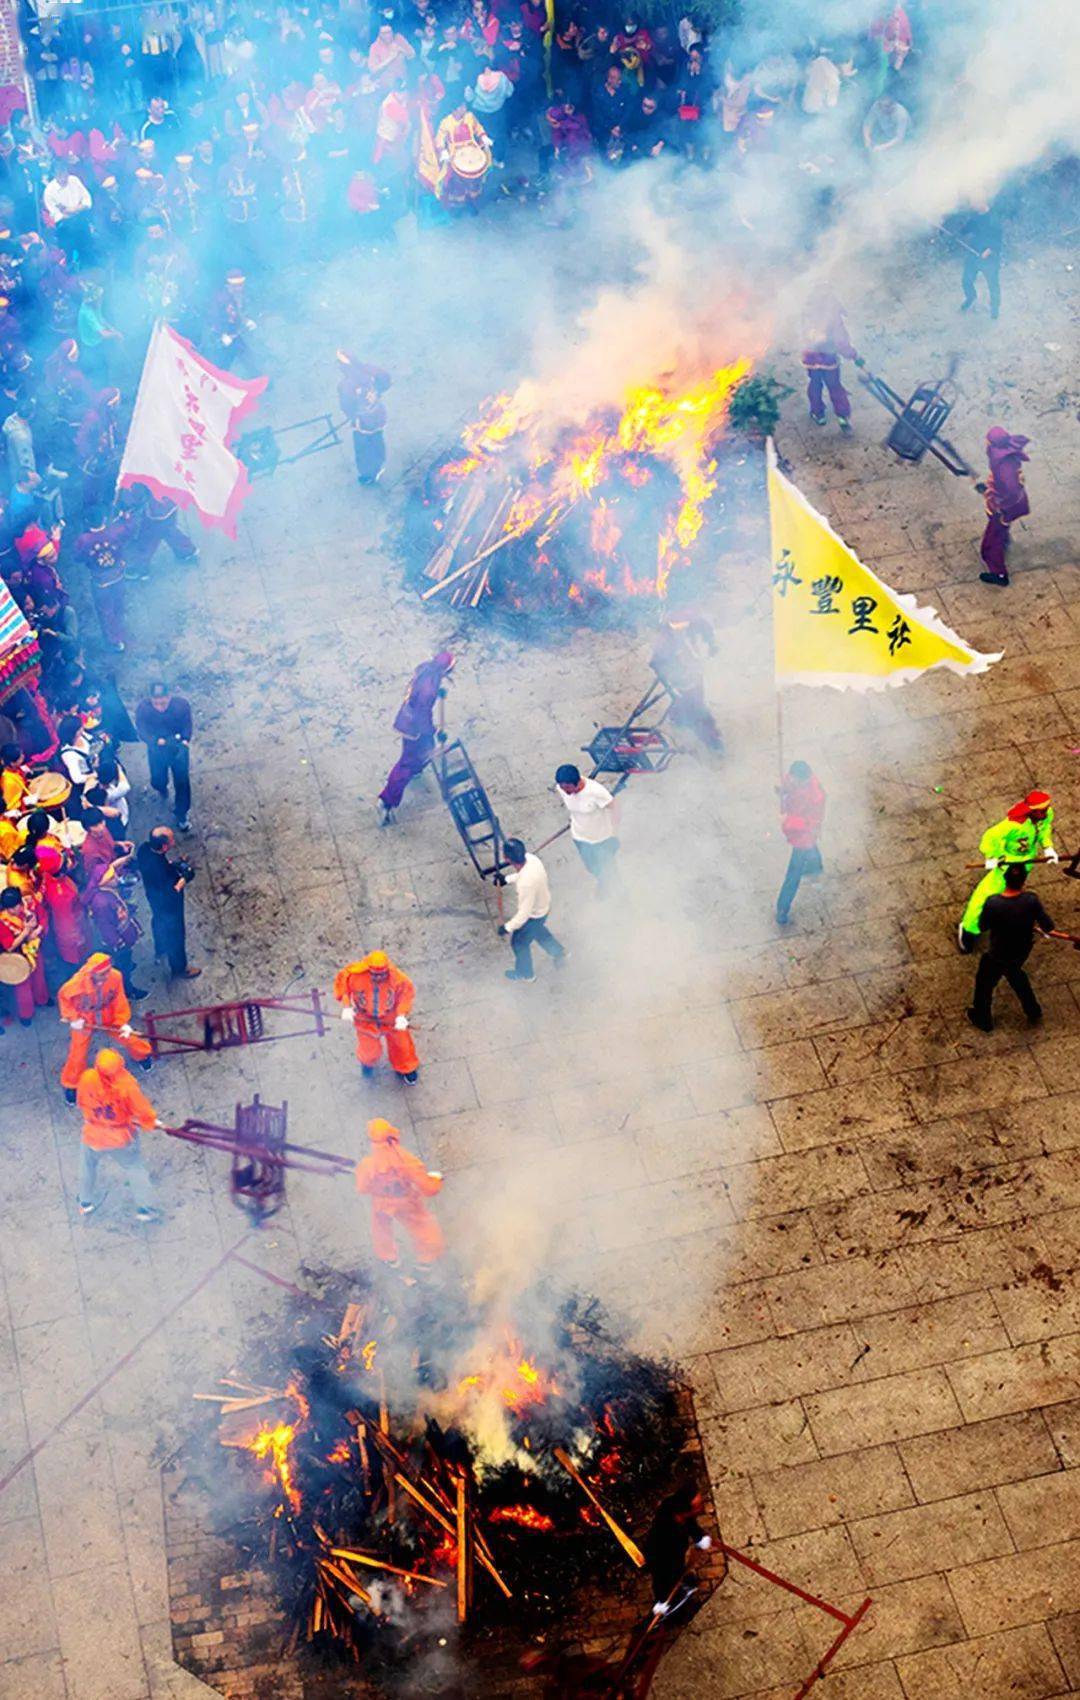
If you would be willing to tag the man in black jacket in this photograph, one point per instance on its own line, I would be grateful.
(164, 724)
(1012, 919)
(164, 882)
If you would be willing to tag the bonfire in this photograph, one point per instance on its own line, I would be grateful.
(404, 1471)
(527, 516)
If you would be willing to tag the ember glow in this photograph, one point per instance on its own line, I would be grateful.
(525, 1516)
(583, 514)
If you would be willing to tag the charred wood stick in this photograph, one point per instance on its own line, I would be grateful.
(282, 1156)
(345, 1579)
(378, 1564)
(230, 1403)
(465, 1547)
(424, 1503)
(632, 1550)
(443, 556)
(445, 1523)
(553, 522)
(445, 583)
(510, 536)
(384, 1432)
(504, 502)
(399, 1460)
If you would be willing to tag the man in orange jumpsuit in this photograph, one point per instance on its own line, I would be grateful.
(378, 997)
(113, 1108)
(94, 1000)
(397, 1183)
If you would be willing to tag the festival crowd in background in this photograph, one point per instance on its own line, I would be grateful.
(166, 149)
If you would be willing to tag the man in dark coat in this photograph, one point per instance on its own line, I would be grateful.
(164, 882)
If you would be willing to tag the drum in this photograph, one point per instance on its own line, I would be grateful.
(47, 791)
(70, 833)
(14, 968)
(469, 160)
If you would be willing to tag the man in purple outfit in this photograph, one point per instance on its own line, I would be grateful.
(415, 721)
(827, 340)
(1006, 500)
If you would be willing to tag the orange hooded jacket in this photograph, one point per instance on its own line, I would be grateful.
(112, 1105)
(394, 1179)
(377, 1002)
(100, 1004)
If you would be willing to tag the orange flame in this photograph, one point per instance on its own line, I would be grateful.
(275, 1443)
(526, 1516)
(676, 428)
(367, 1354)
(519, 1381)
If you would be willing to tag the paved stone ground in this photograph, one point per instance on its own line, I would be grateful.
(785, 1159)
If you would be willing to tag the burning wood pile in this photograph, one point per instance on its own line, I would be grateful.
(591, 516)
(403, 1471)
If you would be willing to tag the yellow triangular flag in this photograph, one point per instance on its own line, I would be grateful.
(834, 621)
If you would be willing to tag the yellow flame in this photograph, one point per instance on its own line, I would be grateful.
(677, 428)
(275, 1443)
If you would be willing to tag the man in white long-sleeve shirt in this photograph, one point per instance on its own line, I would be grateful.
(592, 811)
(67, 201)
(528, 924)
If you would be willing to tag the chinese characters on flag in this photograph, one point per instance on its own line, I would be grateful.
(834, 621)
(186, 418)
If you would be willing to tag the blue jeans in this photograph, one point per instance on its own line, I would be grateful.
(127, 1157)
(801, 863)
(599, 859)
(523, 938)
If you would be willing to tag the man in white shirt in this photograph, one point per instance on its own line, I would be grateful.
(528, 924)
(592, 812)
(67, 201)
(65, 195)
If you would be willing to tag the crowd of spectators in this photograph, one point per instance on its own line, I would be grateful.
(165, 152)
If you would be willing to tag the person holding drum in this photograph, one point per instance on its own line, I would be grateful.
(464, 152)
(20, 953)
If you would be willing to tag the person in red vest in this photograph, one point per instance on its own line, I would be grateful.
(802, 810)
